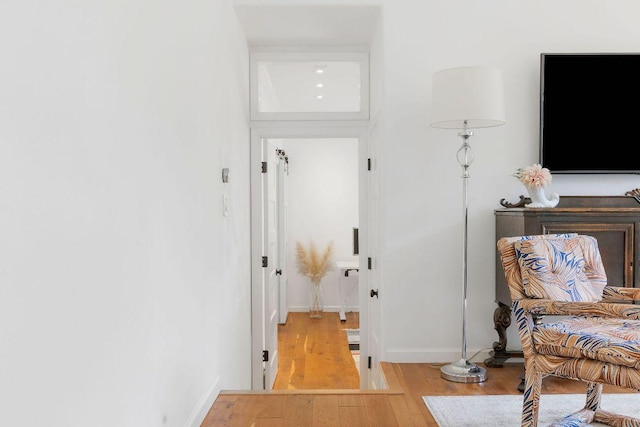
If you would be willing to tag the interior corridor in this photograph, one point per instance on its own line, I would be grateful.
(315, 354)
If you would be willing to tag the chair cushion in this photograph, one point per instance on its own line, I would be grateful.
(610, 340)
(510, 264)
(562, 269)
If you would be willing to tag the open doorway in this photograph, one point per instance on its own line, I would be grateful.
(307, 95)
(326, 198)
(320, 212)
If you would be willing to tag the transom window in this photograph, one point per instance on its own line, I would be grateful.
(309, 86)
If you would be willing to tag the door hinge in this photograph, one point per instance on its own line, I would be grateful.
(369, 164)
(369, 362)
(265, 355)
(264, 167)
(265, 261)
(369, 262)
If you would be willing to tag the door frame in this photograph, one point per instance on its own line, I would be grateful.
(303, 129)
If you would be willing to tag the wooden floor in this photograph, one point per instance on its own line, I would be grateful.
(399, 405)
(314, 353)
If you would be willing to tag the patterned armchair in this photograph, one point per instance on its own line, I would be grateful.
(597, 337)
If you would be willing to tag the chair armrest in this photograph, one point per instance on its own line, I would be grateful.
(564, 308)
(618, 293)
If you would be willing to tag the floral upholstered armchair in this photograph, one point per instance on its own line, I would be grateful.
(597, 337)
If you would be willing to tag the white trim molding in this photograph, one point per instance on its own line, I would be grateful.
(204, 405)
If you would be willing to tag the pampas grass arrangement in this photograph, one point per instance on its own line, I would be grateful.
(315, 266)
(311, 263)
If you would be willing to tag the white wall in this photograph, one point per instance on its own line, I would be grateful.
(124, 293)
(322, 207)
(420, 176)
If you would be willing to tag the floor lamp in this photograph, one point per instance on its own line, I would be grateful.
(466, 98)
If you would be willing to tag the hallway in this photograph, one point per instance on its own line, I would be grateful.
(314, 353)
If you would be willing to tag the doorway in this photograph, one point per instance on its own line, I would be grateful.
(332, 166)
(320, 213)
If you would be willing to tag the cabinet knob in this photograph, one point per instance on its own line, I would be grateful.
(373, 293)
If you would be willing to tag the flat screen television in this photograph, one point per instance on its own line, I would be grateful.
(589, 110)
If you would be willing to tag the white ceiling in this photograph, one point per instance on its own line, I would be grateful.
(290, 23)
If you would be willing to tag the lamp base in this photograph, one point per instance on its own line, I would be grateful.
(463, 371)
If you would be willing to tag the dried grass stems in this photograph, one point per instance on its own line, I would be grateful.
(312, 264)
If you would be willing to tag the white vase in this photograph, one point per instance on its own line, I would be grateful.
(539, 199)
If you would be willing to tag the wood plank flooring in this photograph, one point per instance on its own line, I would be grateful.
(293, 404)
(314, 353)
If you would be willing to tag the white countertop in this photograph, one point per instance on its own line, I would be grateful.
(348, 264)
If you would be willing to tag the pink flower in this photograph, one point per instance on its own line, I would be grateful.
(534, 176)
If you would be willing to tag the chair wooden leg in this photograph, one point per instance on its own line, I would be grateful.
(594, 392)
(531, 397)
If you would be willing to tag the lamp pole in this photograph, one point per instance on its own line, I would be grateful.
(465, 157)
(463, 370)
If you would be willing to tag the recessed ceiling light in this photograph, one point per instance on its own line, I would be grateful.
(319, 71)
(320, 68)
(319, 96)
(319, 85)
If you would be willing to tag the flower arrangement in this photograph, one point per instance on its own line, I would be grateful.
(313, 264)
(534, 176)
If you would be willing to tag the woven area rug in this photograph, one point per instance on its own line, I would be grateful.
(505, 410)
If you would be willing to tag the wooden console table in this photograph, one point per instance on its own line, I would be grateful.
(613, 220)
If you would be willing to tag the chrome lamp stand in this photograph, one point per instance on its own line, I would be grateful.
(464, 371)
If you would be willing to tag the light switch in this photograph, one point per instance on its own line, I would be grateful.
(225, 205)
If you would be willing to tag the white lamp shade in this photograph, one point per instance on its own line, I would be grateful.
(474, 95)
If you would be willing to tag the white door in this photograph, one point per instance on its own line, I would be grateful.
(374, 380)
(281, 195)
(272, 290)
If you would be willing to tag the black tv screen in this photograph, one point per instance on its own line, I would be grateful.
(589, 112)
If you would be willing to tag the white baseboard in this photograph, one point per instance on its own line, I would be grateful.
(202, 407)
(327, 308)
(434, 356)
